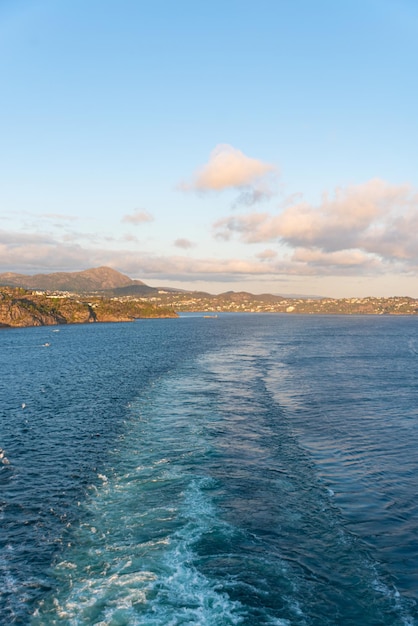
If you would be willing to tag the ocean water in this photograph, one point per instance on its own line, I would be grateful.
(249, 469)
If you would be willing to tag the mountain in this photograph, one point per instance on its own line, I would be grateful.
(96, 279)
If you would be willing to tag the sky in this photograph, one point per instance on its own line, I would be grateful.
(266, 146)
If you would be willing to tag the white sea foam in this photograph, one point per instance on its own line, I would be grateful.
(152, 581)
(392, 593)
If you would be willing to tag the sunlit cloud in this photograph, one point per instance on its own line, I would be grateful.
(360, 225)
(267, 255)
(35, 253)
(179, 268)
(229, 168)
(184, 243)
(360, 230)
(138, 217)
(353, 259)
(34, 256)
(38, 254)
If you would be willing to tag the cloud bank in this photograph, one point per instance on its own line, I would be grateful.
(361, 226)
(35, 253)
(368, 230)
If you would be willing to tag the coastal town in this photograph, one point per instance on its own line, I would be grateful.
(104, 295)
(20, 307)
(244, 302)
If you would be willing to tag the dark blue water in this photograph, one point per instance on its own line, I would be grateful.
(249, 469)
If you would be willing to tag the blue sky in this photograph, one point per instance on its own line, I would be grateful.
(266, 146)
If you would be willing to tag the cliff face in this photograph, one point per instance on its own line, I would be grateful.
(19, 308)
(19, 314)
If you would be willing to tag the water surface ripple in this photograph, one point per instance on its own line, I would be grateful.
(252, 469)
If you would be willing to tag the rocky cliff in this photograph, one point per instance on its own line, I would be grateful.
(19, 307)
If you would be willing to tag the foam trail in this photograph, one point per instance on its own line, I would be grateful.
(132, 559)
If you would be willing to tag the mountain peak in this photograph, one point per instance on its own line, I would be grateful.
(94, 279)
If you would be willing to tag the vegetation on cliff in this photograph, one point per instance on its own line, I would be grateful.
(19, 307)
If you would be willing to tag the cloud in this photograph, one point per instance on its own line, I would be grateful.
(45, 216)
(353, 227)
(360, 230)
(130, 238)
(184, 243)
(246, 225)
(342, 220)
(335, 262)
(35, 253)
(138, 217)
(229, 168)
(267, 255)
(59, 216)
(179, 268)
(19, 239)
(251, 197)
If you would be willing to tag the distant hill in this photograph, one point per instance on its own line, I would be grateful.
(96, 279)
(244, 296)
(134, 289)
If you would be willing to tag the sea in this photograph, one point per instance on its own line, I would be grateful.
(251, 469)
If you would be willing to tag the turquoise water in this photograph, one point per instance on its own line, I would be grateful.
(252, 469)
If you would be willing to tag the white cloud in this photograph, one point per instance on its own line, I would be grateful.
(138, 217)
(229, 168)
